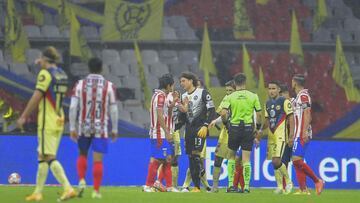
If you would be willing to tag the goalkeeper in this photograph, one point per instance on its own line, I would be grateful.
(200, 112)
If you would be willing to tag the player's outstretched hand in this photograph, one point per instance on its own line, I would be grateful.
(114, 137)
(202, 132)
(74, 136)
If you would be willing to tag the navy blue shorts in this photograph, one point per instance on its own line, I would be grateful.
(163, 151)
(99, 145)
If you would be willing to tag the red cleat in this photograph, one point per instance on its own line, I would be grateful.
(319, 186)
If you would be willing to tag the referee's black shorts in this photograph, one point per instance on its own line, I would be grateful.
(241, 136)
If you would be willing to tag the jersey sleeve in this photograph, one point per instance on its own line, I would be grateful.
(160, 101)
(221, 106)
(225, 103)
(287, 107)
(206, 97)
(257, 105)
(305, 101)
(112, 94)
(43, 80)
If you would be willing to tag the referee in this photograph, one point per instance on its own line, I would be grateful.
(242, 104)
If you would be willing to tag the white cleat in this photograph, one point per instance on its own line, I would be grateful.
(96, 195)
(172, 189)
(288, 188)
(148, 189)
(185, 189)
(278, 191)
(82, 186)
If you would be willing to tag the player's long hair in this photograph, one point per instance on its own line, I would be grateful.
(190, 76)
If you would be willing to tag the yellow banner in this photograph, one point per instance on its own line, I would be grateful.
(262, 90)
(33, 10)
(144, 86)
(295, 43)
(342, 75)
(80, 11)
(242, 25)
(262, 2)
(206, 58)
(320, 15)
(16, 40)
(128, 21)
(248, 71)
(78, 44)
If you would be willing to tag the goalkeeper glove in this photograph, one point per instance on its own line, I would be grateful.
(202, 132)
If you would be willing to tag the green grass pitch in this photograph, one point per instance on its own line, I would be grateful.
(16, 194)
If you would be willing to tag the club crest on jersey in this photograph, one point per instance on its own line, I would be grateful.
(278, 107)
(195, 97)
(164, 152)
(272, 113)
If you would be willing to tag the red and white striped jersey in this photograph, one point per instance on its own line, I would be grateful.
(95, 95)
(300, 103)
(162, 101)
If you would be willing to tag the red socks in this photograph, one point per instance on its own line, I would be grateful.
(81, 166)
(152, 171)
(98, 171)
(303, 170)
(239, 177)
(167, 172)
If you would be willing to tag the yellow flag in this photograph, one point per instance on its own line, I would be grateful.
(64, 12)
(342, 75)
(295, 43)
(144, 86)
(16, 40)
(320, 15)
(33, 10)
(206, 58)
(80, 10)
(262, 2)
(242, 26)
(262, 91)
(78, 44)
(248, 70)
(127, 21)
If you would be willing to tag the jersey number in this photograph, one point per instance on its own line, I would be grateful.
(97, 109)
(197, 141)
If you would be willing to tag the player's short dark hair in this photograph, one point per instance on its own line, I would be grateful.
(240, 79)
(166, 80)
(230, 83)
(284, 88)
(299, 79)
(275, 82)
(95, 65)
(190, 76)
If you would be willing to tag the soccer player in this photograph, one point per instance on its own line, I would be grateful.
(241, 104)
(302, 136)
(222, 151)
(51, 88)
(286, 158)
(161, 137)
(203, 177)
(199, 114)
(278, 113)
(94, 99)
